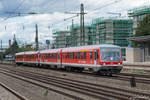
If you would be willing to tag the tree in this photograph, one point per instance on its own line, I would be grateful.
(26, 48)
(144, 26)
(13, 49)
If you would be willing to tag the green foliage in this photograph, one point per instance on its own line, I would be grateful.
(26, 48)
(46, 93)
(144, 27)
(13, 49)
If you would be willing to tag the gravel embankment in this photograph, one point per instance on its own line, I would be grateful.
(38, 93)
(108, 81)
(6, 95)
(28, 90)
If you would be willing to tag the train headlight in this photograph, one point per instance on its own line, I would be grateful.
(118, 63)
(104, 64)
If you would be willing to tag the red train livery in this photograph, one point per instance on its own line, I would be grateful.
(104, 59)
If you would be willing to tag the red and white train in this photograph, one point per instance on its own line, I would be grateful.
(104, 59)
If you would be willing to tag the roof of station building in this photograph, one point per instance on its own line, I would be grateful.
(140, 38)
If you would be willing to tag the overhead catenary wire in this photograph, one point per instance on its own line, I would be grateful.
(95, 10)
(15, 9)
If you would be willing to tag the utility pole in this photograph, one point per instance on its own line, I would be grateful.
(36, 37)
(1, 45)
(1, 51)
(82, 33)
(82, 30)
(14, 46)
(49, 37)
(72, 23)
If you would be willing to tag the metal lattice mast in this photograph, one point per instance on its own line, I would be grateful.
(36, 37)
(82, 38)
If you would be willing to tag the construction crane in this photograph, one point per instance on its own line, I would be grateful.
(119, 14)
(71, 17)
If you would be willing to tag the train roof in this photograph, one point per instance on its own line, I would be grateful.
(20, 53)
(88, 47)
(30, 52)
(70, 49)
(50, 51)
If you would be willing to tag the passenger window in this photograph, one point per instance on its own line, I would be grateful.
(91, 53)
(84, 55)
(73, 55)
(58, 55)
(78, 55)
(66, 55)
(70, 55)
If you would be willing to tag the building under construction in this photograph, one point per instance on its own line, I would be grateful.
(138, 14)
(61, 38)
(81, 39)
(144, 51)
(113, 31)
(101, 31)
(73, 37)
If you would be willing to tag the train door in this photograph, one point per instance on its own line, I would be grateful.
(91, 57)
(59, 57)
(96, 57)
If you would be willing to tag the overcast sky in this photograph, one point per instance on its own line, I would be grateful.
(52, 14)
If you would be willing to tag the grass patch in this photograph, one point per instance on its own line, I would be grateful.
(133, 71)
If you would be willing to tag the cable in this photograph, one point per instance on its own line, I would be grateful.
(116, 1)
(15, 9)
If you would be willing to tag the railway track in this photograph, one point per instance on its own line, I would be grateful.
(20, 97)
(144, 79)
(89, 89)
(13, 74)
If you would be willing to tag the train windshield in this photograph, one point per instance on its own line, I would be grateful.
(110, 54)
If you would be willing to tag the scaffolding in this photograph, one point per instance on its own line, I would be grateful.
(139, 11)
(77, 38)
(101, 31)
(60, 38)
(113, 31)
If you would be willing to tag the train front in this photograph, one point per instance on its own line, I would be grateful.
(110, 60)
